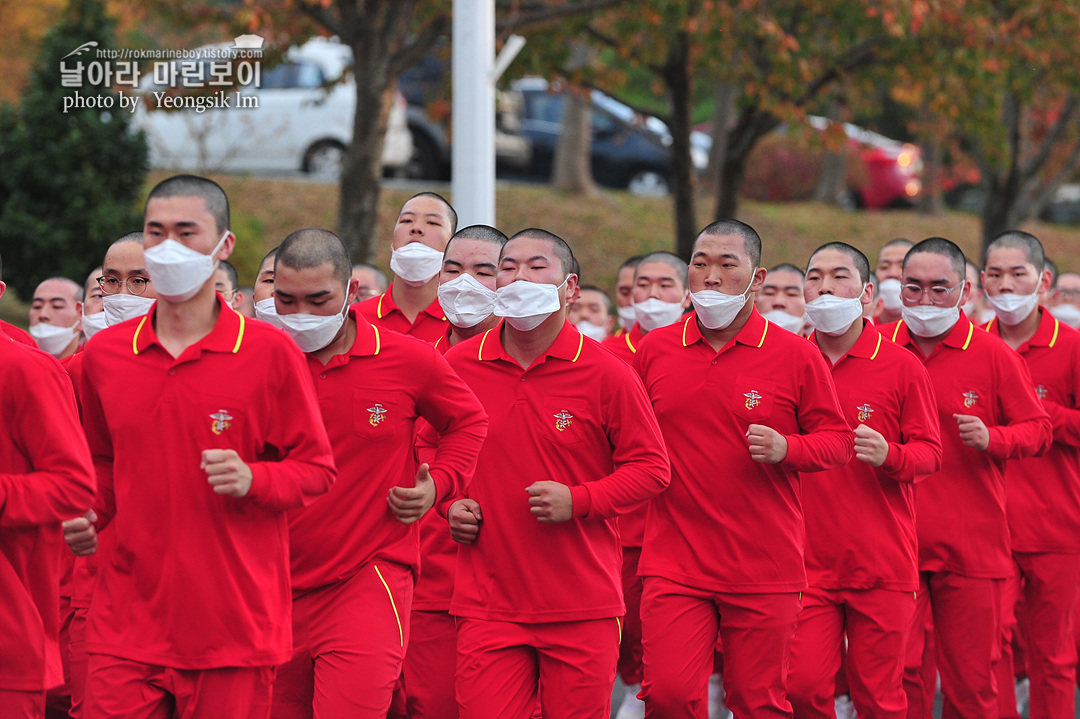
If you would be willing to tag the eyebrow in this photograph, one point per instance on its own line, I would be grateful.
(534, 258)
(411, 213)
(181, 223)
(913, 281)
(113, 270)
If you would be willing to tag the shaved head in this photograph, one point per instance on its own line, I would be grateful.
(314, 247)
(749, 235)
(217, 204)
(562, 250)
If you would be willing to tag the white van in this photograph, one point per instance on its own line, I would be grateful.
(303, 120)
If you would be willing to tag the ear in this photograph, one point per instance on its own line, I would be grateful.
(237, 300)
(227, 248)
(2, 288)
(573, 291)
(609, 326)
(78, 313)
(686, 300)
(1044, 282)
(759, 279)
(965, 294)
(867, 297)
(352, 290)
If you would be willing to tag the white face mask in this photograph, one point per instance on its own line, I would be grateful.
(788, 321)
(654, 313)
(525, 305)
(266, 311)
(596, 332)
(92, 324)
(1069, 314)
(931, 320)
(415, 263)
(179, 272)
(466, 302)
(627, 317)
(889, 291)
(717, 310)
(51, 338)
(120, 307)
(1013, 309)
(313, 332)
(834, 315)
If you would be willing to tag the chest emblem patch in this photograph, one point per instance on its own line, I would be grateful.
(970, 398)
(1042, 391)
(865, 411)
(753, 399)
(378, 414)
(563, 420)
(221, 422)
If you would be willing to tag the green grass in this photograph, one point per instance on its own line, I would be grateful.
(603, 230)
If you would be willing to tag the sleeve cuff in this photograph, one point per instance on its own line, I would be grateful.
(893, 460)
(996, 446)
(795, 451)
(259, 486)
(581, 499)
(442, 481)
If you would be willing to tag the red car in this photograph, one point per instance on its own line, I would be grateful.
(879, 172)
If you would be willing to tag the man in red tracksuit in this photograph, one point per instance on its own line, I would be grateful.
(129, 294)
(467, 299)
(989, 413)
(1044, 492)
(352, 594)
(744, 406)
(572, 444)
(410, 305)
(659, 297)
(203, 438)
(47, 477)
(861, 554)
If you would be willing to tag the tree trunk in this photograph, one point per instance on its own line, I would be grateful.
(572, 165)
(753, 124)
(373, 36)
(723, 109)
(677, 77)
(830, 184)
(931, 199)
(1001, 209)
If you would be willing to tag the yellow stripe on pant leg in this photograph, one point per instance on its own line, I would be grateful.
(393, 605)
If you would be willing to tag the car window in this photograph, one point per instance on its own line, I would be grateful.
(546, 107)
(292, 75)
(604, 124)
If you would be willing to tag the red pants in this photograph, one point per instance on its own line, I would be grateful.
(124, 689)
(920, 672)
(967, 618)
(877, 622)
(1049, 585)
(427, 682)
(349, 642)
(22, 705)
(679, 631)
(630, 647)
(504, 666)
(58, 700)
(77, 661)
